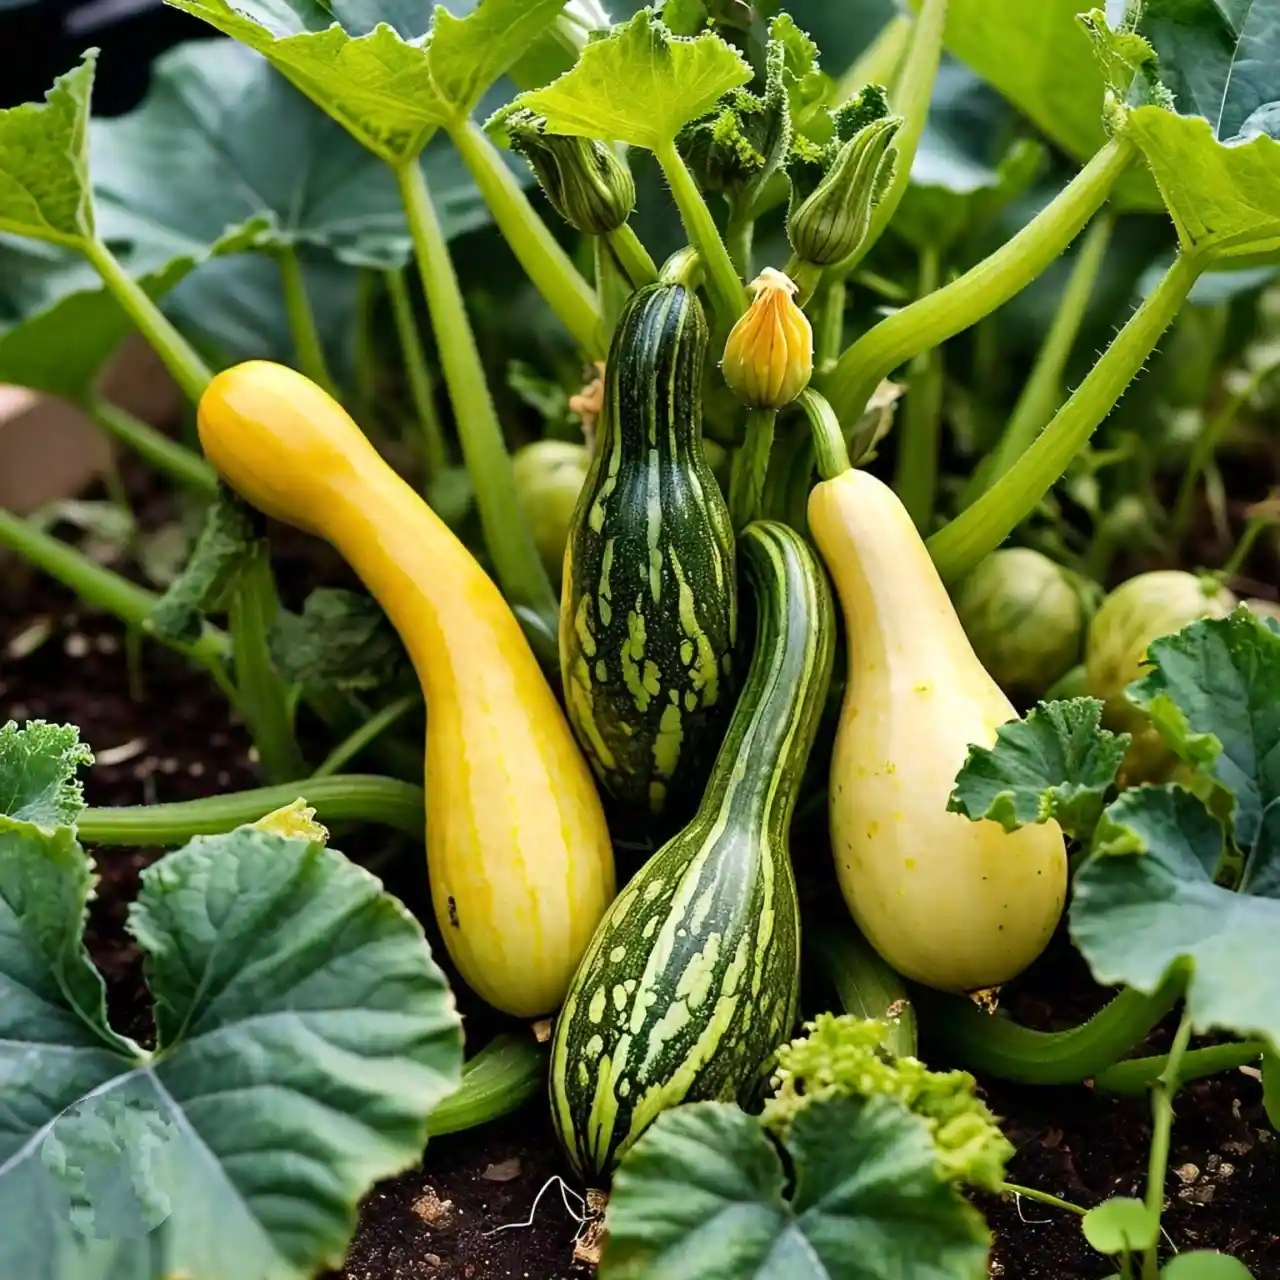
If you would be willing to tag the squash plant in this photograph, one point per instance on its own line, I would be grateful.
(795, 202)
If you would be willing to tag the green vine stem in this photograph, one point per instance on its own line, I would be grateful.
(722, 279)
(307, 345)
(751, 467)
(1161, 1129)
(180, 464)
(828, 333)
(985, 525)
(538, 252)
(1255, 528)
(634, 258)
(1000, 1047)
(983, 288)
(1137, 1075)
(1042, 390)
(262, 697)
(879, 61)
(1042, 1197)
(104, 589)
(912, 93)
(419, 376)
(916, 480)
(349, 797)
(864, 983)
(828, 440)
(1208, 440)
(179, 356)
(366, 734)
(739, 233)
(519, 569)
(501, 1078)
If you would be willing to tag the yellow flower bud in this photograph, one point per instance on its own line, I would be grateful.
(768, 357)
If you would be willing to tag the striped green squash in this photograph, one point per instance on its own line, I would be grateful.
(649, 602)
(691, 980)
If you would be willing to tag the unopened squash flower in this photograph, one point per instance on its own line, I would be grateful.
(768, 357)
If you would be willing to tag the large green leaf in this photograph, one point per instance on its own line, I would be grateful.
(44, 169)
(389, 92)
(701, 1197)
(639, 84)
(304, 1034)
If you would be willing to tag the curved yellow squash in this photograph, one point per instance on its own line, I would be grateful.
(954, 904)
(519, 857)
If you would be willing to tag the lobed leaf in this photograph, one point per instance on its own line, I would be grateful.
(38, 767)
(1058, 763)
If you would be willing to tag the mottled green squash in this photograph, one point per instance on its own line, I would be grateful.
(649, 600)
(691, 980)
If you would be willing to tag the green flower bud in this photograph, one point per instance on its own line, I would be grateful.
(828, 218)
(586, 182)
(768, 356)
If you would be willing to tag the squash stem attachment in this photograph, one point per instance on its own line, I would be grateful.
(537, 250)
(983, 288)
(750, 467)
(1041, 394)
(182, 465)
(421, 386)
(1000, 1047)
(828, 440)
(726, 288)
(515, 558)
(343, 797)
(986, 524)
(307, 345)
(634, 258)
(503, 1076)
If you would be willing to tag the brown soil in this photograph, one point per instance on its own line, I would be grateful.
(462, 1214)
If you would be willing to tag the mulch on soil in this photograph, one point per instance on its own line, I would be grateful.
(461, 1216)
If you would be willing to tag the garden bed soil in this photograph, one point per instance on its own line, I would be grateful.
(466, 1214)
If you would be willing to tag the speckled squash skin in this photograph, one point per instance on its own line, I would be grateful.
(519, 858)
(953, 904)
(691, 981)
(649, 599)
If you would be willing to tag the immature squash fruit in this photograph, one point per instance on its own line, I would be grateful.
(549, 476)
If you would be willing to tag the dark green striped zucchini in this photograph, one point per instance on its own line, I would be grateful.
(649, 603)
(691, 980)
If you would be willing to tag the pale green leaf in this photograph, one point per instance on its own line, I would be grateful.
(1205, 1264)
(304, 1035)
(1120, 1225)
(38, 767)
(639, 84)
(44, 163)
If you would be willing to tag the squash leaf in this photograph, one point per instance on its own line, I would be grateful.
(1205, 1264)
(38, 765)
(304, 1034)
(390, 92)
(701, 1196)
(639, 84)
(1120, 1225)
(1058, 763)
(44, 162)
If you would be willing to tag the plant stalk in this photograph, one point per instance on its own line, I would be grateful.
(519, 569)
(1137, 1075)
(1042, 1197)
(917, 472)
(544, 261)
(982, 289)
(986, 524)
(179, 463)
(751, 467)
(179, 356)
(419, 376)
(722, 279)
(632, 256)
(372, 729)
(1041, 394)
(307, 345)
(879, 61)
(1162, 1128)
(828, 440)
(502, 1077)
(829, 331)
(350, 797)
(365, 375)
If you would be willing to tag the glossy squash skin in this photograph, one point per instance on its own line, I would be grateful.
(649, 600)
(691, 981)
(954, 904)
(519, 858)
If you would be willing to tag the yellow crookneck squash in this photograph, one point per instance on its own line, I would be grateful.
(519, 858)
(953, 904)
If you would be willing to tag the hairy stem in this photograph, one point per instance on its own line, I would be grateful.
(986, 524)
(982, 289)
(180, 464)
(1040, 395)
(722, 279)
(633, 257)
(519, 568)
(307, 345)
(350, 797)
(415, 367)
(538, 252)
